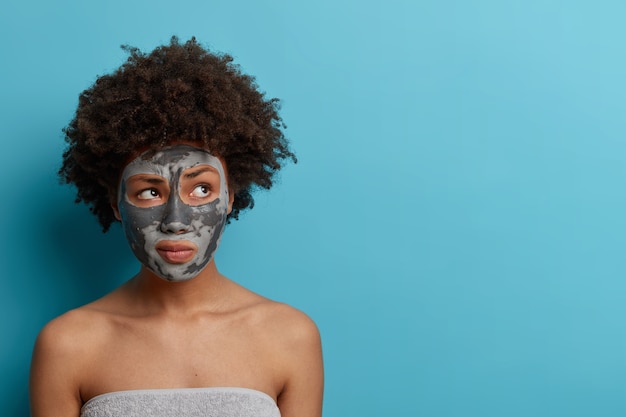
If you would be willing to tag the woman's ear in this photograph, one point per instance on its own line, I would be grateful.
(115, 208)
(231, 199)
(116, 212)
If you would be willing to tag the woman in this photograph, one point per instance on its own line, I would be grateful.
(171, 145)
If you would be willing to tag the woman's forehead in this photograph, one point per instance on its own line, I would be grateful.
(171, 160)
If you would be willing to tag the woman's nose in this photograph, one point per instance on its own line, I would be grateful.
(177, 216)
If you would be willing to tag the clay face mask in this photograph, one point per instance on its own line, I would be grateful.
(173, 206)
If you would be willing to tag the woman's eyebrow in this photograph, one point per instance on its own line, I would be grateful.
(149, 180)
(199, 171)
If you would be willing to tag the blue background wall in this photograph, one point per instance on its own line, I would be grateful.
(456, 224)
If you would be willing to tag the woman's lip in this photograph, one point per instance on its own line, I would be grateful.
(175, 246)
(176, 252)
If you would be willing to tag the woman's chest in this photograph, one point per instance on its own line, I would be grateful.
(150, 357)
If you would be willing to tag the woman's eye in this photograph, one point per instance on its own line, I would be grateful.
(201, 191)
(149, 194)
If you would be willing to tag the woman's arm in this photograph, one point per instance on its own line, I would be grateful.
(303, 390)
(54, 388)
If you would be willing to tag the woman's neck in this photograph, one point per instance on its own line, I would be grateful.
(155, 295)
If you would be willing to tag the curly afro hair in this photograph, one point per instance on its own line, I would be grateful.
(178, 92)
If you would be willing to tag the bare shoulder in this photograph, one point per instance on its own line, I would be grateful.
(284, 323)
(295, 326)
(292, 335)
(68, 332)
(68, 341)
(77, 328)
(297, 356)
(278, 321)
(60, 355)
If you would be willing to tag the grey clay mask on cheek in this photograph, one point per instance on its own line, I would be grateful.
(162, 236)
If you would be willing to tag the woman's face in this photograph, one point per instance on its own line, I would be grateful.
(173, 206)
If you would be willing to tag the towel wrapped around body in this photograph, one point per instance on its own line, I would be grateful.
(182, 402)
